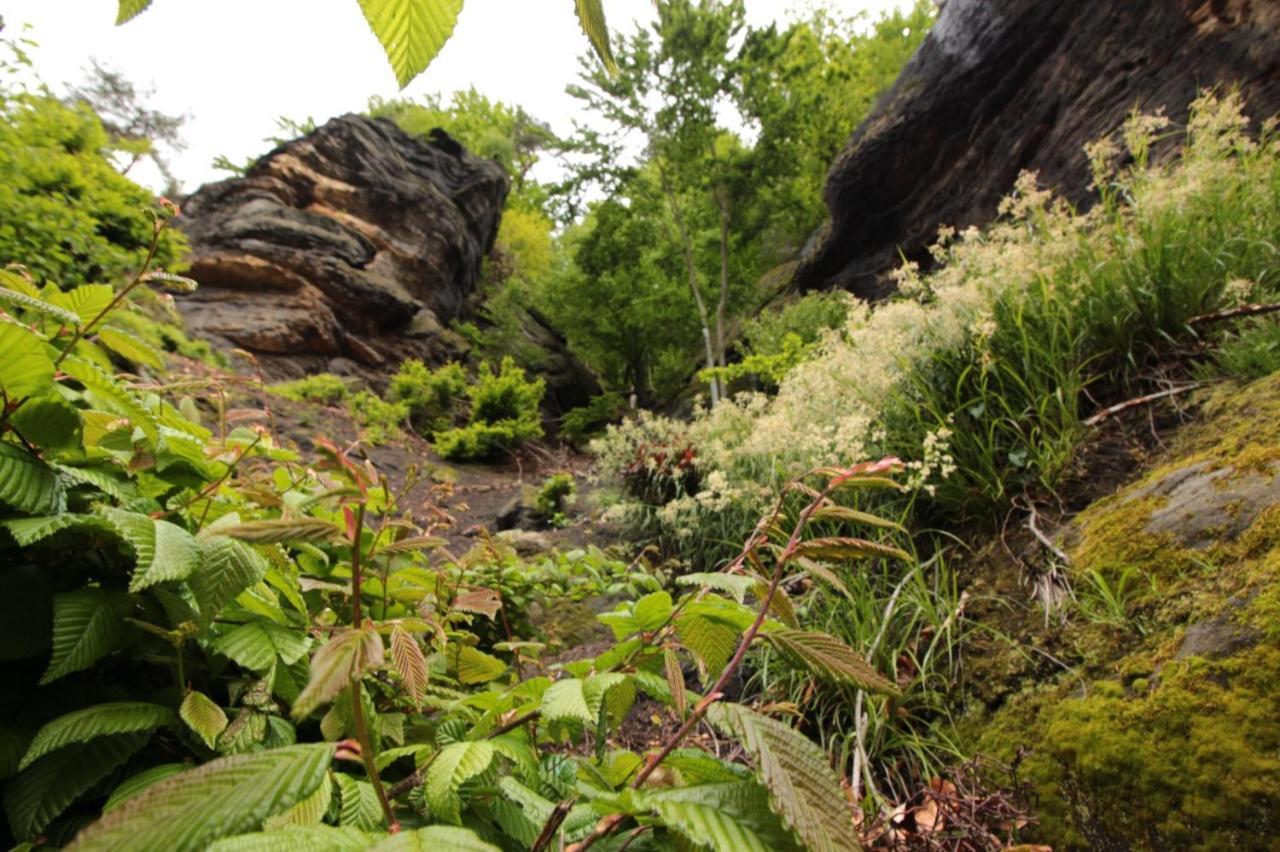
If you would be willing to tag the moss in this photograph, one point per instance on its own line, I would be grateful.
(1239, 427)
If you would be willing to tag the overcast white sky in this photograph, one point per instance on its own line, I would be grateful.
(233, 66)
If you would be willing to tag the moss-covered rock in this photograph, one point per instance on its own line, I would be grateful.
(1166, 733)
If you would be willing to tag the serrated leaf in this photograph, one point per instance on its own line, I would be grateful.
(739, 799)
(480, 601)
(85, 301)
(652, 610)
(36, 796)
(298, 838)
(435, 838)
(358, 803)
(104, 480)
(131, 348)
(309, 811)
(203, 716)
(284, 530)
(28, 531)
(842, 547)
(712, 642)
(803, 789)
(705, 825)
(48, 421)
(257, 645)
(227, 568)
(414, 544)
(735, 585)
(411, 31)
(108, 391)
(565, 699)
(81, 726)
(675, 680)
(130, 9)
(410, 662)
(225, 797)
(27, 483)
(25, 369)
(343, 659)
(475, 666)
(456, 764)
(846, 515)
(164, 552)
(591, 19)
(831, 659)
(39, 306)
(88, 624)
(135, 784)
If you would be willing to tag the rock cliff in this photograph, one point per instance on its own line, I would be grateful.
(997, 88)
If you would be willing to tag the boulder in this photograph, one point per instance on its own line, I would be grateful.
(356, 243)
(998, 88)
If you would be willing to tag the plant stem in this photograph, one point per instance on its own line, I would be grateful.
(357, 704)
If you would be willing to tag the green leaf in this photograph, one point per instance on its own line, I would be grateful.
(456, 764)
(358, 803)
(203, 716)
(565, 699)
(26, 483)
(88, 624)
(227, 568)
(107, 390)
(829, 658)
(435, 838)
(135, 784)
(652, 610)
(735, 585)
(28, 531)
(131, 348)
(163, 551)
(310, 811)
(222, 798)
(411, 31)
(130, 9)
(712, 641)
(81, 726)
(475, 666)
(803, 789)
(841, 547)
(344, 658)
(706, 825)
(257, 645)
(85, 301)
(36, 797)
(852, 516)
(48, 421)
(25, 369)
(39, 306)
(298, 838)
(283, 530)
(411, 664)
(591, 18)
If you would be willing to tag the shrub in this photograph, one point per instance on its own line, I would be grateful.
(504, 413)
(554, 497)
(379, 420)
(579, 425)
(322, 388)
(432, 397)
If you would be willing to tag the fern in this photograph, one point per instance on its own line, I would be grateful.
(829, 658)
(121, 717)
(88, 624)
(411, 31)
(225, 797)
(25, 369)
(36, 796)
(456, 764)
(163, 551)
(803, 789)
(28, 484)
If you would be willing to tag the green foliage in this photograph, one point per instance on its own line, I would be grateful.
(579, 425)
(504, 413)
(555, 495)
(411, 31)
(432, 397)
(322, 388)
(379, 420)
(65, 212)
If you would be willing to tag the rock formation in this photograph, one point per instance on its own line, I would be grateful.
(997, 88)
(351, 249)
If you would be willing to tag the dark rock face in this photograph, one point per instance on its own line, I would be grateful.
(1002, 87)
(355, 244)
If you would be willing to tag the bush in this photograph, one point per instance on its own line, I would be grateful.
(555, 496)
(432, 397)
(504, 413)
(579, 425)
(322, 388)
(379, 420)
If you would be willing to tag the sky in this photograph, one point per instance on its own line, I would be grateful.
(233, 66)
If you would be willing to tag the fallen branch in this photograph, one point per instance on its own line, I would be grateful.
(1234, 313)
(1138, 401)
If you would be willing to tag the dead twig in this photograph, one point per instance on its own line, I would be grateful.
(1139, 401)
(1234, 313)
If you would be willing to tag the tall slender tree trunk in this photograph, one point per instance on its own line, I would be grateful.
(691, 269)
(723, 303)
